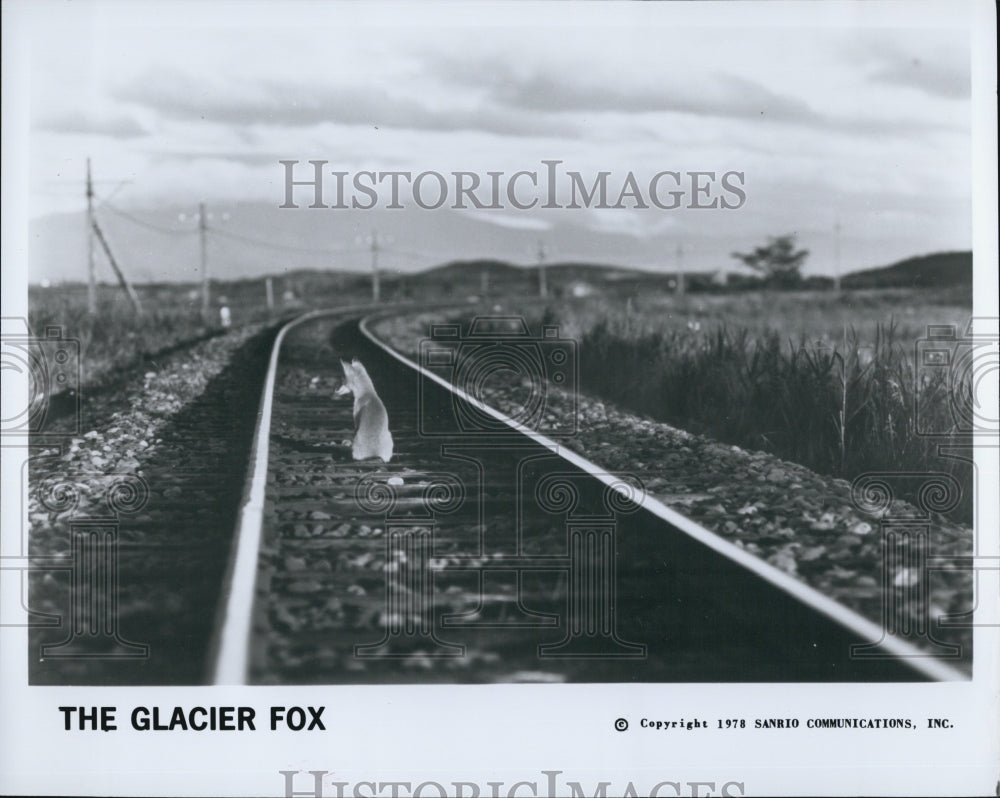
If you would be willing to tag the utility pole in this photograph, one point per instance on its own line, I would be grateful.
(680, 269)
(202, 230)
(122, 279)
(91, 271)
(269, 291)
(543, 288)
(836, 258)
(376, 287)
(96, 236)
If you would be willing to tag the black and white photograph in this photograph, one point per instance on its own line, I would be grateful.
(542, 398)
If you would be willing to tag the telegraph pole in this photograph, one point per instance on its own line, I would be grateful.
(376, 287)
(91, 271)
(543, 288)
(122, 279)
(202, 231)
(680, 269)
(836, 259)
(96, 236)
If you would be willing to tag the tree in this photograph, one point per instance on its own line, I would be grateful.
(777, 261)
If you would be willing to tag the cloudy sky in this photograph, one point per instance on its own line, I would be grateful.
(866, 123)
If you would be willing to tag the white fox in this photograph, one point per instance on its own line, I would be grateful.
(371, 421)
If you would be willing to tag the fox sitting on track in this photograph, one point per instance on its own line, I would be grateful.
(371, 421)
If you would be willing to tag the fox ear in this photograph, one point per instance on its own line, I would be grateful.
(345, 366)
(355, 361)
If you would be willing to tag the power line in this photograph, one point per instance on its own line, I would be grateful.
(836, 276)
(543, 287)
(407, 253)
(117, 189)
(91, 267)
(244, 238)
(285, 247)
(259, 242)
(149, 225)
(203, 248)
(376, 282)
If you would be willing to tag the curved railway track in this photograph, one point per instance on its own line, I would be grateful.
(485, 553)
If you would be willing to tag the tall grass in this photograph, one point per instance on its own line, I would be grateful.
(842, 408)
(115, 337)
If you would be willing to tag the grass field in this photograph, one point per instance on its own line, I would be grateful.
(824, 380)
(821, 379)
(116, 337)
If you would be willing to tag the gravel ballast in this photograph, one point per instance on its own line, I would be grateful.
(162, 459)
(810, 526)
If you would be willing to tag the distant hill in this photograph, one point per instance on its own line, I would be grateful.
(463, 277)
(938, 270)
(249, 240)
(468, 277)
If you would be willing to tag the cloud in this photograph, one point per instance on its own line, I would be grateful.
(949, 81)
(718, 95)
(934, 62)
(636, 225)
(118, 126)
(188, 155)
(176, 95)
(721, 95)
(508, 98)
(504, 220)
(568, 90)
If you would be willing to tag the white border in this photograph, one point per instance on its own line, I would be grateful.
(506, 732)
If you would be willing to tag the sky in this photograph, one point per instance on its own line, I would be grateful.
(866, 125)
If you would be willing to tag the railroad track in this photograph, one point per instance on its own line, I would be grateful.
(485, 553)
(124, 566)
